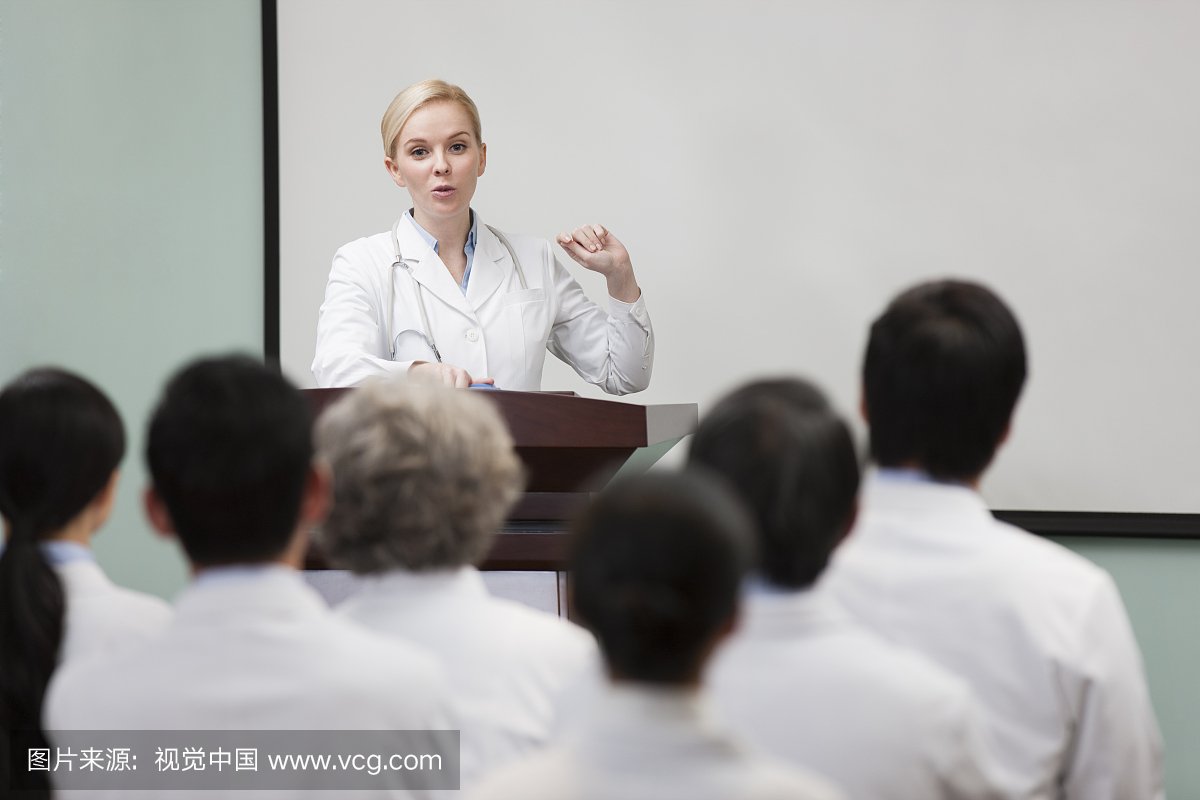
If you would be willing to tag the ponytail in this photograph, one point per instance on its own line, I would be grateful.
(60, 441)
(31, 627)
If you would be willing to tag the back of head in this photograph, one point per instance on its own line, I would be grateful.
(657, 562)
(944, 368)
(792, 459)
(423, 476)
(60, 441)
(229, 449)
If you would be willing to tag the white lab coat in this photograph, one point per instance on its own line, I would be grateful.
(497, 330)
(507, 663)
(254, 651)
(643, 743)
(1039, 632)
(801, 680)
(100, 615)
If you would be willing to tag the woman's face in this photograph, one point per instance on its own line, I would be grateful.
(438, 160)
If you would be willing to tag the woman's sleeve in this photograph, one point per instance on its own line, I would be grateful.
(351, 341)
(613, 350)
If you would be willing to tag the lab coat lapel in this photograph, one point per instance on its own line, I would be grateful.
(429, 271)
(489, 267)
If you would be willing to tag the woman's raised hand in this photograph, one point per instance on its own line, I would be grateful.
(594, 247)
(445, 374)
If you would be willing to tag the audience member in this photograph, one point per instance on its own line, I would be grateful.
(423, 477)
(1039, 632)
(657, 562)
(800, 679)
(251, 646)
(61, 441)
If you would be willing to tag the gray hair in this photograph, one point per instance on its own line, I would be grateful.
(422, 477)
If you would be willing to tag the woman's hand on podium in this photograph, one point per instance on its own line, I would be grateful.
(595, 248)
(444, 374)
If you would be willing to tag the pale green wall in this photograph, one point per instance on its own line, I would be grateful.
(1160, 583)
(131, 233)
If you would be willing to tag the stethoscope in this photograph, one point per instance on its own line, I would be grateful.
(399, 262)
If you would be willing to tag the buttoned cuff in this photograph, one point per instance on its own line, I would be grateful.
(630, 312)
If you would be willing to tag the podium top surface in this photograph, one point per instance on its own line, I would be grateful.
(552, 419)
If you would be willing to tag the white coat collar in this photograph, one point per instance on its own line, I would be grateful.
(405, 585)
(631, 717)
(492, 265)
(428, 269)
(923, 511)
(924, 498)
(806, 612)
(247, 595)
(84, 576)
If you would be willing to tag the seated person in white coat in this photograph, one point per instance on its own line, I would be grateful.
(61, 441)
(799, 678)
(423, 477)
(446, 298)
(251, 646)
(1039, 632)
(656, 562)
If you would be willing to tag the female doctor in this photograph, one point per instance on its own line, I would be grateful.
(444, 297)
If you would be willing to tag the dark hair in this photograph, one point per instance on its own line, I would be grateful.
(657, 562)
(792, 458)
(944, 368)
(229, 450)
(60, 441)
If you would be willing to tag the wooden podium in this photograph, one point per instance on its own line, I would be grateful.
(572, 446)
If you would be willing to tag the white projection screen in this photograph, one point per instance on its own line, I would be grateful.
(779, 170)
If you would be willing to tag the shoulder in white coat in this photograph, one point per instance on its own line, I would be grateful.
(507, 664)
(1038, 632)
(262, 653)
(802, 681)
(101, 615)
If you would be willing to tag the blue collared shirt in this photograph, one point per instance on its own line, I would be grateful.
(755, 585)
(911, 475)
(57, 551)
(239, 573)
(468, 250)
(60, 552)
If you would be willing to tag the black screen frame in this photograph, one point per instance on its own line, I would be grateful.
(270, 99)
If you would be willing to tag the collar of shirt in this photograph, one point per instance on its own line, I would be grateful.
(642, 710)
(755, 585)
(911, 475)
(238, 573)
(59, 552)
(919, 510)
(468, 249)
(789, 612)
(461, 581)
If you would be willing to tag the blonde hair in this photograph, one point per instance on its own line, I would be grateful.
(416, 96)
(422, 477)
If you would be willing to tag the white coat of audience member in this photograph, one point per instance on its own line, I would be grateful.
(799, 678)
(251, 646)
(1039, 632)
(656, 562)
(423, 477)
(61, 441)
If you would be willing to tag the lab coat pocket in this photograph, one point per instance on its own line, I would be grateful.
(413, 346)
(527, 313)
